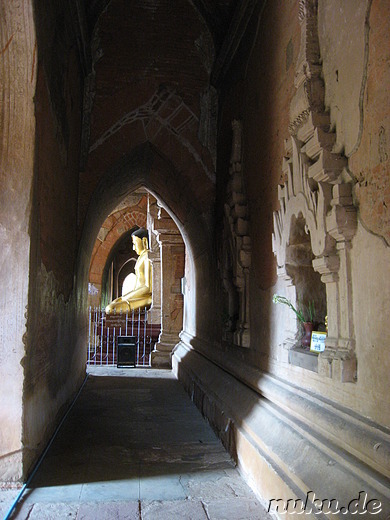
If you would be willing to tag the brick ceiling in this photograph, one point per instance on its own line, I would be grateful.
(152, 63)
(217, 14)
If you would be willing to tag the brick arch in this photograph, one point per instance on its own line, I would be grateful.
(117, 224)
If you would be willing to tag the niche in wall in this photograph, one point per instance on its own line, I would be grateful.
(299, 267)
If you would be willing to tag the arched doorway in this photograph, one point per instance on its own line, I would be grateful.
(173, 210)
(144, 167)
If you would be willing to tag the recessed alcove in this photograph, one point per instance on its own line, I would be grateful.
(309, 289)
(308, 285)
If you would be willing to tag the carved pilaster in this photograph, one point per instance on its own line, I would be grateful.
(171, 247)
(154, 257)
(236, 247)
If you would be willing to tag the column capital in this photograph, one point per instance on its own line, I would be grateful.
(167, 239)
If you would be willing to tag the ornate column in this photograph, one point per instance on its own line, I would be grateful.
(154, 257)
(236, 249)
(172, 270)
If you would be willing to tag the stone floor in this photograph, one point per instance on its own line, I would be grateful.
(134, 446)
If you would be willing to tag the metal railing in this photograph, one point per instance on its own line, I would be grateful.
(105, 329)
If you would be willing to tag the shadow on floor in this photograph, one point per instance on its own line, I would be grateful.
(135, 440)
(131, 427)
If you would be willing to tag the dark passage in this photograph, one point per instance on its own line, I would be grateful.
(136, 447)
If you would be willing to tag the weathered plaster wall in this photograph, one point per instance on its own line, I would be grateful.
(54, 363)
(371, 291)
(17, 141)
(370, 164)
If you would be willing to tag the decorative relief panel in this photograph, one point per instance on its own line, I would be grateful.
(317, 188)
(236, 250)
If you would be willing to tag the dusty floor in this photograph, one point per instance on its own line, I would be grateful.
(134, 446)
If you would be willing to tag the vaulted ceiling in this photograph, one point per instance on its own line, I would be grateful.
(217, 14)
(150, 70)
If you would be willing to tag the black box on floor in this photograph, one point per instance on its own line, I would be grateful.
(126, 351)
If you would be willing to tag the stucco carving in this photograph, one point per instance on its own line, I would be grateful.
(317, 188)
(236, 249)
(344, 66)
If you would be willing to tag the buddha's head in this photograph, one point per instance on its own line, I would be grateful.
(140, 240)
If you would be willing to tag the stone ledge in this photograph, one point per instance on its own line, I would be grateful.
(264, 437)
(343, 428)
(303, 358)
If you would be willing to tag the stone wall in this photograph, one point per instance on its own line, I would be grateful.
(40, 136)
(17, 142)
(53, 363)
(261, 99)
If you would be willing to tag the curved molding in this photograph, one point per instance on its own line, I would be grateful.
(101, 252)
(350, 452)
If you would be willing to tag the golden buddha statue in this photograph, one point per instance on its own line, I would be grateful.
(140, 295)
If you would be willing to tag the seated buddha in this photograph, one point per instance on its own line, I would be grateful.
(140, 295)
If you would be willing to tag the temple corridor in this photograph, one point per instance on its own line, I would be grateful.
(212, 178)
(135, 447)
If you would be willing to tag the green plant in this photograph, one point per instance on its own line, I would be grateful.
(311, 311)
(303, 315)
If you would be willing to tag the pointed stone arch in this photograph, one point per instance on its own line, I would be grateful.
(146, 167)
